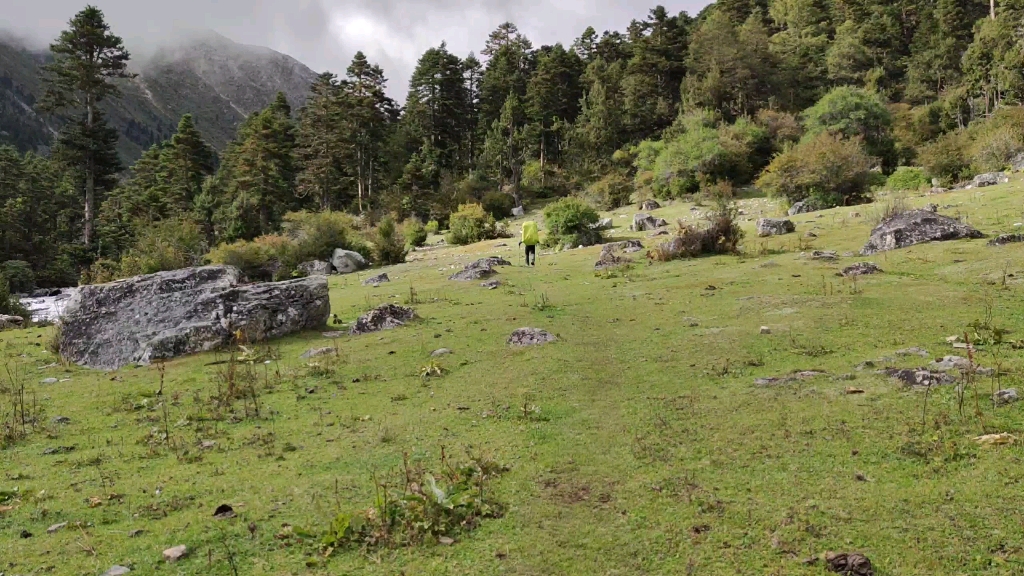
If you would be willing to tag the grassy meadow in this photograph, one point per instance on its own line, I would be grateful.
(636, 444)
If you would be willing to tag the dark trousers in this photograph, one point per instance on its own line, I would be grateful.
(531, 250)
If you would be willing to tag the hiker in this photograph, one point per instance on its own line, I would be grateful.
(530, 238)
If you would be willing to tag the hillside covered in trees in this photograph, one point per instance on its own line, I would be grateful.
(811, 100)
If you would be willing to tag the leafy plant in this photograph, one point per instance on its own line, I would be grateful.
(907, 178)
(569, 222)
(415, 232)
(470, 224)
(432, 369)
(388, 243)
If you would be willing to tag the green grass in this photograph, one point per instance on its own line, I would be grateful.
(651, 452)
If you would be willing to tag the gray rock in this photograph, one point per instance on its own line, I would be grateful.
(469, 274)
(645, 222)
(765, 330)
(1007, 396)
(931, 207)
(48, 381)
(176, 553)
(530, 337)
(116, 571)
(938, 190)
(623, 246)
(603, 224)
(650, 204)
(824, 255)
(861, 268)
(610, 260)
(347, 261)
(657, 233)
(913, 351)
(518, 212)
(314, 268)
(950, 363)
(915, 227)
(314, 352)
(440, 352)
(919, 377)
(989, 179)
(489, 262)
(491, 284)
(377, 280)
(774, 226)
(64, 420)
(384, 317)
(333, 335)
(1004, 239)
(170, 314)
(9, 322)
(56, 528)
(802, 207)
(1017, 162)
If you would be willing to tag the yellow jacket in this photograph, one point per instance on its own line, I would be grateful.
(531, 237)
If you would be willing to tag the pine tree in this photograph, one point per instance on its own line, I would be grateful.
(553, 98)
(320, 146)
(185, 164)
(87, 57)
(369, 117)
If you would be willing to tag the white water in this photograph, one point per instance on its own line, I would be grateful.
(47, 308)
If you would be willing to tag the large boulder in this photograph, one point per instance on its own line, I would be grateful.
(989, 179)
(314, 268)
(347, 261)
(774, 226)
(649, 204)
(643, 222)
(801, 207)
(915, 227)
(169, 314)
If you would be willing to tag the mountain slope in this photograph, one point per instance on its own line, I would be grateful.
(216, 80)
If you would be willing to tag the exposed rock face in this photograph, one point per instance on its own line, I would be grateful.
(530, 337)
(169, 314)
(989, 179)
(643, 222)
(861, 268)
(800, 208)
(314, 268)
(774, 226)
(377, 280)
(347, 261)
(1004, 239)
(915, 227)
(384, 317)
(648, 205)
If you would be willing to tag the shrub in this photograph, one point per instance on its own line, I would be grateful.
(10, 305)
(907, 178)
(612, 191)
(498, 204)
(721, 235)
(317, 234)
(414, 231)
(267, 257)
(388, 243)
(782, 128)
(471, 223)
(432, 227)
(828, 170)
(946, 158)
(164, 245)
(20, 276)
(997, 140)
(854, 112)
(569, 222)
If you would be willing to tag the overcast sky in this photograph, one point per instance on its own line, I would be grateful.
(324, 34)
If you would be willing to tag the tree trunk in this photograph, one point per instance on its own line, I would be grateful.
(359, 178)
(992, 8)
(90, 183)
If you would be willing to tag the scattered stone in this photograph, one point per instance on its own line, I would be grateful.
(852, 390)
(854, 214)
(657, 233)
(169, 314)
(623, 246)
(774, 227)
(789, 378)
(383, 317)
(489, 262)
(377, 280)
(861, 268)
(610, 260)
(530, 337)
(116, 571)
(950, 363)
(1004, 239)
(913, 351)
(347, 261)
(444, 540)
(56, 528)
(224, 512)
(10, 322)
(1017, 162)
(314, 352)
(314, 268)
(801, 207)
(919, 377)
(766, 330)
(844, 377)
(470, 274)
(810, 234)
(996, 439)
(176, 553)
(852, 564)
(938, 190)
(648, 205)
(491, 284)
(207, 444)
(500, 245)
(61, 420)
(645, 222)
(48, 381)
(1007, 396)
(824, 255)
(58, 450)
(603, 224)
(932, 208)
(333, 335)
(440, 352)
(518, 211)
(989, 179)
(915, 227)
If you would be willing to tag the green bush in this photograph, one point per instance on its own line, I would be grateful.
(20, 276)
(388, 243)
(721, 235)
(415, 233)
(269, 257)
(827, 170)
(907, 178)
(164, 245)
(471, 223)
(946, 158)
(612, 191)
(569, 222)
(316, 235)
(498, 204)
(9, 305)
(853, 112)
(432, 227)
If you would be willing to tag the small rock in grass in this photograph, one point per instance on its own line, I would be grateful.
(377, 280)
(60, 420)
(116, 571)
(849, 564)
(530, 337)
(861, 268)
(950, 363)
(207, 444)
(914, 351)
(911, 377)
(766, 330)
(314, 352)
(56, 528)
(440, 352)
(1007, 396)
(224, 512)
(333, 335)
(48, 381)
(491, 284)
(176, 553)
